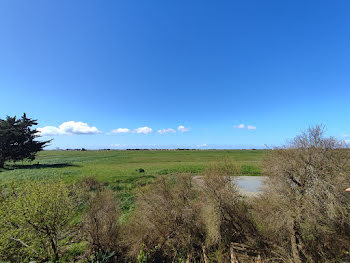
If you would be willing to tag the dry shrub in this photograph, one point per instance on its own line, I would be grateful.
(225, 213)
(166, 220)
(90, 183)
(304, 210)
(221, 201)
(100, 223)
(176, 218)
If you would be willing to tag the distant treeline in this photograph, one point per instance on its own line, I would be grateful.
(154, 149)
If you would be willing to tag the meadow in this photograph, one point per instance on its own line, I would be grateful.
(124, 166)
(123, 171)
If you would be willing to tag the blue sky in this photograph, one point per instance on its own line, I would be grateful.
(86, 68)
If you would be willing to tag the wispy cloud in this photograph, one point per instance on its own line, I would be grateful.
(163, 131)
(243, 126)
(148, 130)
(202, 145)
(68, 128)
(121, 130)
(182, 128)
(119, 145)
(140, 130)
(239, 126)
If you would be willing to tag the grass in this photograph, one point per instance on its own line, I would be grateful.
(120, 170)
(109, 166)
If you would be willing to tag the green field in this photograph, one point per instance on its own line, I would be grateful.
(109, 166)
(120, 169)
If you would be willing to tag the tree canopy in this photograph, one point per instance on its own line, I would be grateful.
(18, 139)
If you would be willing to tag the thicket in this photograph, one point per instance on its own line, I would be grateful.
(304, 210)
(302, 214)
(34, 221)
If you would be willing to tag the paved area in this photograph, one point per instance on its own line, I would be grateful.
(248, 185)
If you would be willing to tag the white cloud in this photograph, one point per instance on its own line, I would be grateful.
(240, 126)
(143, 130)
(140, 130)
(243, 126)
(49, 131)
(182, 129)
(68, 128)
(202, 145)
(121, 130)
(72, 127)
(169, 130)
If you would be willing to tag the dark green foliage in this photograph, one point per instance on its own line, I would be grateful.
(17, 139)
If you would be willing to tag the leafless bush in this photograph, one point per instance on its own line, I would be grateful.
(226, 214)
(89, 183)
(304, 210)
(100, 223)
(166, 220)
(178, 218)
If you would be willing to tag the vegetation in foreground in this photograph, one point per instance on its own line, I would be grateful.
(302, 216)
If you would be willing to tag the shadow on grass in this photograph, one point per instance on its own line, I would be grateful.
(38, 166)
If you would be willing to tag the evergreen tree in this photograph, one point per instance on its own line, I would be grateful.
(18, 139)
